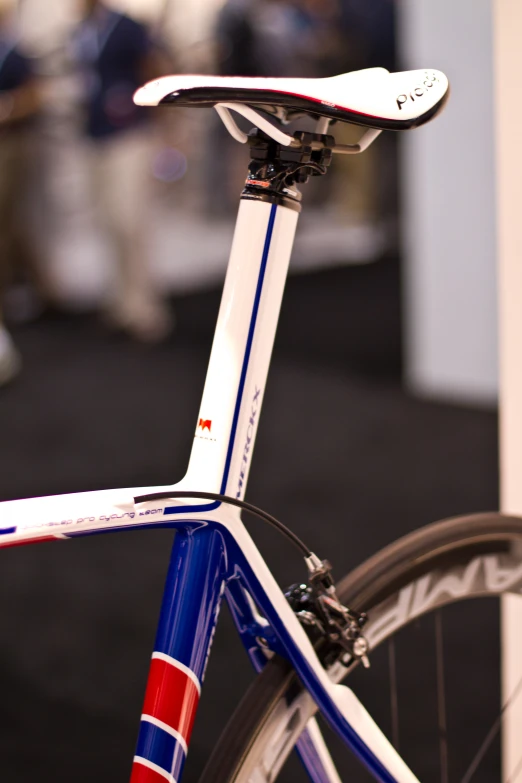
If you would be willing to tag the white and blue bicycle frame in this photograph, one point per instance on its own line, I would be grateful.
(213, 554)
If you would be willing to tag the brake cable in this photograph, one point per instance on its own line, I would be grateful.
(258, 512)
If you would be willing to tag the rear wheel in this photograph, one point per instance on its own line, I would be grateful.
(416, 592)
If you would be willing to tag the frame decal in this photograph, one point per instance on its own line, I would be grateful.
(246, 359)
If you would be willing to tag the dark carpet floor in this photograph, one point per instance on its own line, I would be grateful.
(344, 457)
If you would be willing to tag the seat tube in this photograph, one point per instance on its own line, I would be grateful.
(189, 612)
(236, 379)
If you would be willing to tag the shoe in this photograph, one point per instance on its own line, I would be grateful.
(154, 329)
(22, 305)
(147, 325)
(10, 360)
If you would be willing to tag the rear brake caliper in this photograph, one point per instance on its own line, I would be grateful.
(334, 629)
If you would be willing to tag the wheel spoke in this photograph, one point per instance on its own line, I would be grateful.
(490, 736)
(394, 702)
(441, 700)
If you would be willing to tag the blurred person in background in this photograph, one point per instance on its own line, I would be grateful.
(371, 31)
(340, 36)
(373, 200)
(115, 55)
(323, 41)
(19, 103)
(253, 38)
(258, 38)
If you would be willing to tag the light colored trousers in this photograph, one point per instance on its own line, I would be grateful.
(15, 248)
(119, 172)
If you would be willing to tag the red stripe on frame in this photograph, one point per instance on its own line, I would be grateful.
(142, 774)
(171, 697)
(38, 540)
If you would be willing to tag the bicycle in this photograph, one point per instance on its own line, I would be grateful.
(306, 642)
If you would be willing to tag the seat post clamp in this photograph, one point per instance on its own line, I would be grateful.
(276, 170)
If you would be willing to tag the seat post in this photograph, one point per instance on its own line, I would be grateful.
(231, 405)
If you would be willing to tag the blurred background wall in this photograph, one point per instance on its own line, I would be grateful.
(448, 217)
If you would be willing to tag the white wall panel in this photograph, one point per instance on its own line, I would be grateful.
(448, 199)
(508, 115)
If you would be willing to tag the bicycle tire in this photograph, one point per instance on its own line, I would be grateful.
(440, 549)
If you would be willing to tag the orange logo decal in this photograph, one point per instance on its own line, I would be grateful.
(259, 182)
(205, 424)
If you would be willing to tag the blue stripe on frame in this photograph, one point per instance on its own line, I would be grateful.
(7, 530)
(192, 509)
(250, 340)
(158, 746)
(244, 370)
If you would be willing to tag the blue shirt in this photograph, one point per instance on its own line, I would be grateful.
(110, 50)
(15, 72)
(15, 69)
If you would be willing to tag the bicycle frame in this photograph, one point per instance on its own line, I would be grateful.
(213, 553)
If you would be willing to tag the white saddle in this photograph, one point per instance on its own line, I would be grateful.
(373, 97)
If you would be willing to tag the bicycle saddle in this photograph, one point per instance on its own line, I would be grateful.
(373, 97)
